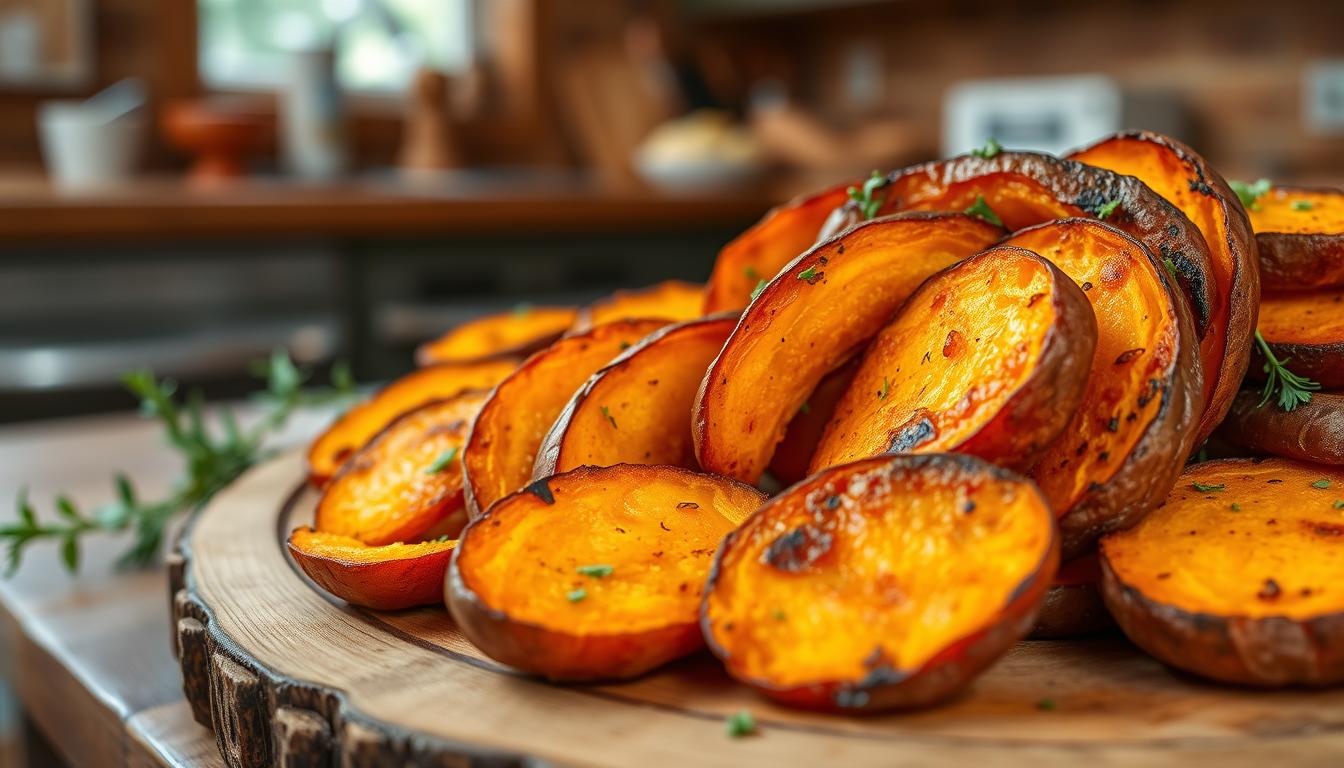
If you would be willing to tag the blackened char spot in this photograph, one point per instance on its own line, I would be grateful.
(797, 549)
(912, 435)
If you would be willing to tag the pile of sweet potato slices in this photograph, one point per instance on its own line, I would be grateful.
(967, 372)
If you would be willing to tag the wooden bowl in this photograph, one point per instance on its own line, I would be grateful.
(220, 134)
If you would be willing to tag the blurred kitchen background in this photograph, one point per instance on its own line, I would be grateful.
(186, 184)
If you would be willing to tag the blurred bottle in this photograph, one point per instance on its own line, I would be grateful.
(313, 130)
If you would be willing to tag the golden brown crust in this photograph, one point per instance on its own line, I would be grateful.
(1300, 232)
(386, 578)
(670, 301)
(1313, 431)
(514, 334)
(1305, 331)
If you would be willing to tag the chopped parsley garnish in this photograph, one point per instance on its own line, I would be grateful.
(1339, 503)
(1171, 267)
(576, 595)
(610, 418)
(1322, 484)
(1107, 209)
(1303, 205)
(990, 149)
(751, 272)
(886, 387)
(760, 286)
(596, 571)
(808, 274)
(1236, 507)
(982, 210)
(866, 197)
(740, 724)
(1250, 194)
(1202, 488)
(1046, 705)
(1293, 390)
(442, 462)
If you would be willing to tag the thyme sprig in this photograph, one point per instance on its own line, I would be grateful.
(213, 458)
(867, 198)
(1292, 390)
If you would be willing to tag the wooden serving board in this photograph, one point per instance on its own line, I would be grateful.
(287, 675)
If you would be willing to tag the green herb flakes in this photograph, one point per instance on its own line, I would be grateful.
(1236, 507)
(990, 149)
(740, 724)
(867, 199)
(1202, 488)
(442, 462)
(1250, 194)
(760, 286)
(1303, 205)
(982, 210)
(1293, 390)
(886, 387)
(610, 418)
(596, 571)
(576, 595)
(1322, 484)
(808, 274)
(1107, 209)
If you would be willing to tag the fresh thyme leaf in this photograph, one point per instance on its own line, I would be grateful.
(1339, 503)
(576, 595)
(1250, 194)
(982, 210)
(442, 462)
(1292, 390)
(760, 286)
(1202, 488)
(1171, 268)
(867, 199)
(1107, 209)
(886, 387)
(990, 149)
(1303, 205)
(809, 273)
(1322, 484)
(1236, 507)
(610, 418)
(596, 571)
(739, 724)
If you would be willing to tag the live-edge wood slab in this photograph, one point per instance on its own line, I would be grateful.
(287, 675)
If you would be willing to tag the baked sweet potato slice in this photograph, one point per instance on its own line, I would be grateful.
(1122, 451)
(1300, 234)
(1073, 606)
(809, 319)
(1237, 577)
(637, 409)
(1180, 175)
(803, 435)
(387, 578)
(990, 357)
(1027, 188)
(507, 434)
(358, 425)
(504, 334)
(1313, 431)
(767, 247)
(670, 301)
(889, 582)
(1305, 331)
(407, 481)
(595, 573)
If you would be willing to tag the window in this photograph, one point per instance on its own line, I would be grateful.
(379, 43)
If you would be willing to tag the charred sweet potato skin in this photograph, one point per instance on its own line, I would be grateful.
(505, 437)
(767, 247)
(358, 425)
(637, 409)
(989, 357)
(656, 527)
(1307, 331)
(1180, 175)
(387, 578)
(515, 334)
(1312, 432)
(809, 319)
(1123, 450)
(670, 301)
(1073, 606)
(393, 490)
(803, 435)
(817, 522)
(1300, 233)
(1266, 611)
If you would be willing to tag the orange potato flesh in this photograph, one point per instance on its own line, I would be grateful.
(1238, 578)
(502, 448)
(390, 577)
(670, 300)
(1300, 234)
(1176, 173)
(637, 410)
(887, 582)
(522, 585)
(1307, 331)
(1299, 211)
(516, 333)
(358, 425)
(803, 435)
(391, 490)
(1125, 444)
(812, 317)
(990, 357)
(760, 252)
(1019, 201)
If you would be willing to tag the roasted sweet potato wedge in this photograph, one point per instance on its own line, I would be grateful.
(1027, 188)
(502, 448)
(990, 357)
(1313, 431)
(889, 582)
(358, 425)
(1300, 233)
(388, 578)
(1180, 175)
(794, 454)
(1073, 606)
(760, 252)
(595, 573)
(407, 481)
(670, 301)
(1306, 331)
(1121, 454)
(808, 320)
(637, 409)
(513, 334)
(1237, 577)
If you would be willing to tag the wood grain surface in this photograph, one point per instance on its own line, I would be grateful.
(292, 673)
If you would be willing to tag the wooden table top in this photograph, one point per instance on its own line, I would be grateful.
(89, 656)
